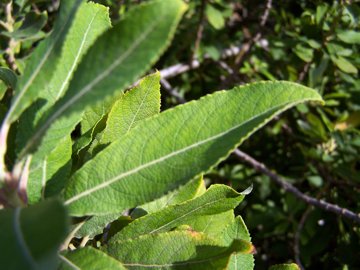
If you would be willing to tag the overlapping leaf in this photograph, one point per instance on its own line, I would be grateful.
(217, 199)
(115, 60)
(176, 250)
(167, 150)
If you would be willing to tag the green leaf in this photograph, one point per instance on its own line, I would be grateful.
(349, 36)
(212, 225)
(30, 27)
(290, 266)
(217, 199)
(237, 230)
(115, 60)
(306, 54)
(42, 63)
(48, 178)
(139, 103)
(90, 22)
(30, 237)
(344, 64)
(190, 190)
(193, 138)
(8, 77)
(89, 258)
(176, 250)
(214, 17)
(95, 225)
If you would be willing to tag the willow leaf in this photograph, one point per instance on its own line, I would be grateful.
(89, 258)
(29, 239)
(42, 62)
(96, 224)
(167, 150)
(217, 199)
(90, 22)
(114, 61)
(176, 250)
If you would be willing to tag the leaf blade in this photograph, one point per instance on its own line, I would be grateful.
(209, 143)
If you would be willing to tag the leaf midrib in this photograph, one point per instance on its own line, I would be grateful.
(37, 69)
(90, 85)
(82, 44)
(161, 159)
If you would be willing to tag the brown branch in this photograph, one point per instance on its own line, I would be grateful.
(178, 69)
(260, 167)
(247, 46)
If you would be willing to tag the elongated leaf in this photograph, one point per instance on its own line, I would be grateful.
(96, 224)
(176, 250)
(165, 151)
(237, 230)
(42, 63)
(89, 258)
(30, 237)
(217, 199)
(90, 22)
(115, 60)
(190, 190)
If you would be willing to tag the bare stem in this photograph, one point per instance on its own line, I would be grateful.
(260, 167)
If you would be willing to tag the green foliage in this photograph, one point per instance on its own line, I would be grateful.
(139, 184)
(29, 238)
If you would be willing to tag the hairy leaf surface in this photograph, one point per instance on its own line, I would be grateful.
(176, 250)
(217, 199)
(90, 22)
(167, 150)
(237, 230)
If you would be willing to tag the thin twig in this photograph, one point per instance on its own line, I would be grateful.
(178, 69)
(297, 237)
(247, 46)
(167, 86)
(200, 30)
(260, 167)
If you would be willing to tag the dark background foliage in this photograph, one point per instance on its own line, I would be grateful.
(315, 43)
